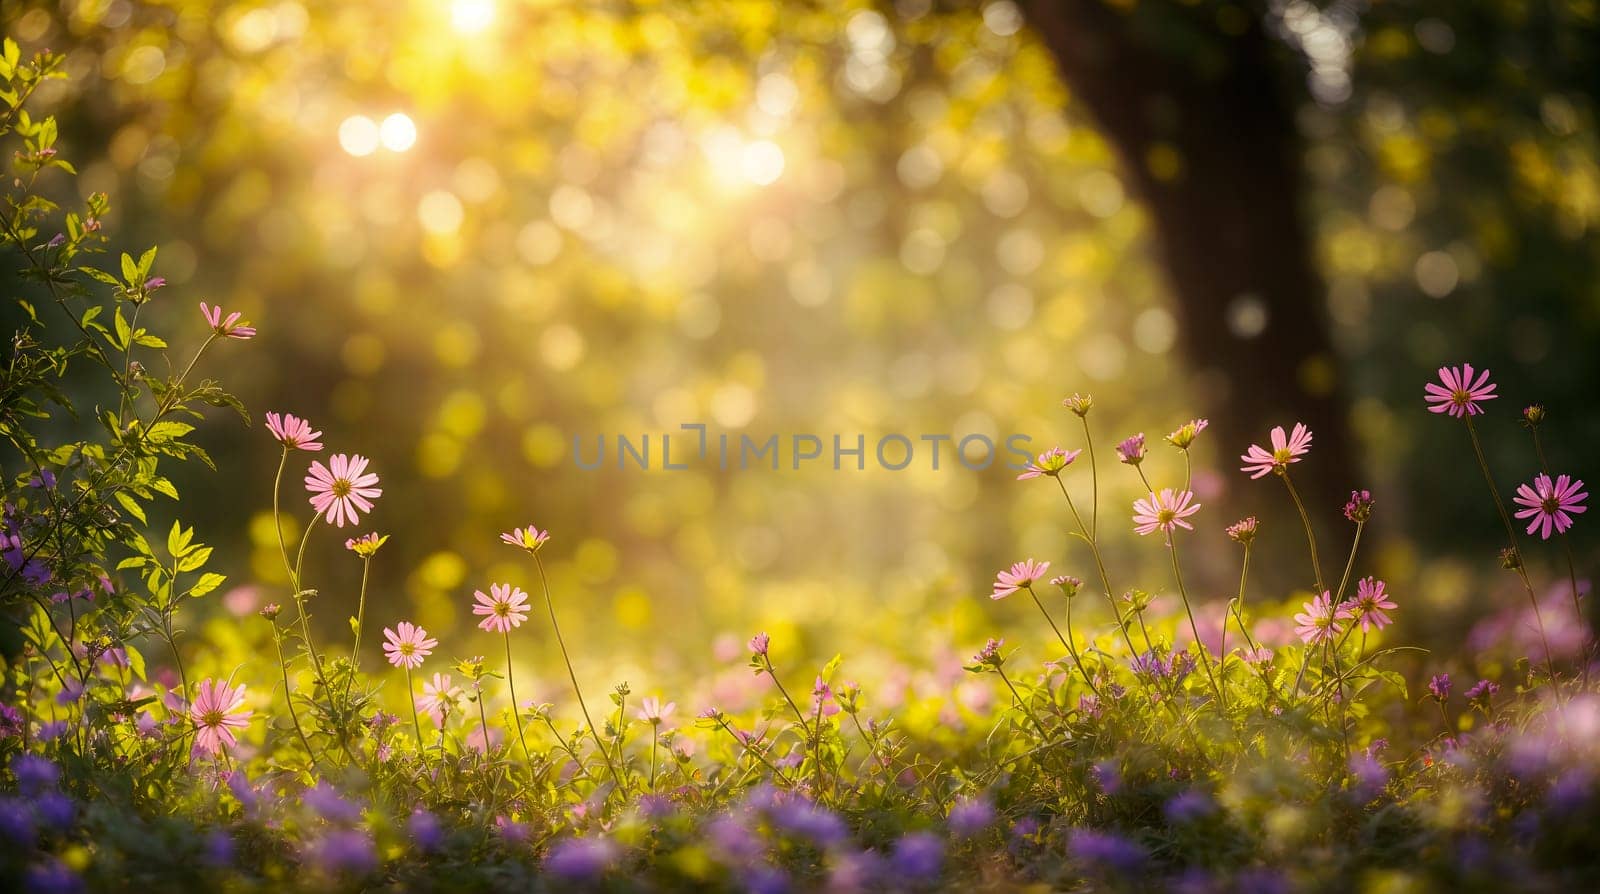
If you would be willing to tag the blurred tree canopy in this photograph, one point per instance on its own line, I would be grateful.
(472, 230)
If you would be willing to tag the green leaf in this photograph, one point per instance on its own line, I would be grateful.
(195, 560)
(179, 540)
(207, 582)
(132, 505)
(135, 661)
(130, 270)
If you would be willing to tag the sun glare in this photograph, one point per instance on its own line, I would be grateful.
(471, 16)
(398, 132)
(358, 135)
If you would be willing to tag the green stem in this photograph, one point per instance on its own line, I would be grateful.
(1094, 481)
(572, 675)
(411, 696)
(1199, 645)
(361, 615)
(516, 709)
(1305, 520)
(1349, 564)
(1065, 641)
(1511, 539)
(1022, 704)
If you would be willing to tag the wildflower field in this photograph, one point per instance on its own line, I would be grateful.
(1150, 693)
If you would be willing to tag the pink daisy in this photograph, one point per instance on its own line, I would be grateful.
(295, 433)
(230, 327)
(1285, 450)
(1460, 393)
(529, 538)
(1020, 575)
(1050, 462)
(1551, 504)
(340, 489)
(367, 545)
(439, 698)
(653, 712)
(1185, 434)
(1371, 605)
(1131, 450)
(217, 711)
(407, 645)
(1164, 511)
(1319, 623)
(505, 608)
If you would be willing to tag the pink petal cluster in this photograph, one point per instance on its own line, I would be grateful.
(439, 698)
(652, 711)
(1050, 462)
(1285, 450)
(294, 433)
(1551, 504)
(217, 711)
(1319, 623)
(529, 538)
(1131, 450)
(1020, 575)
(504, 608)
(230, 327)
(1460, 393)
(1371, 605)
(407, 645)
(1164, 511)
(342, 489)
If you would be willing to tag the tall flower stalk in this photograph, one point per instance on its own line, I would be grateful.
(531, 540)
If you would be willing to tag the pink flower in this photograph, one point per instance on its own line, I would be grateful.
(529, 538)
(1164, 511)
(505, 608)
(1284, 451)
(760, 643)
(1551, 504)
(1459, 395)
(1020, 576)
(1131, 450)
(1319, 623)
(439, 698)
(653, 712)
(294, 432)
(1243, 530)
(1184, 436)
(1050, 462)
(217, 711)
(407, 646)
(340, 488)
(367, 545)
(1371, 605)
(230, 327)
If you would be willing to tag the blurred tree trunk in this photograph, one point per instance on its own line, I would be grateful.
(1210, 145)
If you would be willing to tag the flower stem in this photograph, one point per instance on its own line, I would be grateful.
(1305, 520)
(1349, 564)
(1021, 703)
(1511, 539)
(411, 696)
(361, 616)
(1065, 641)
(571, 674)
(516, 709)
(1199, 645)
(1566, 547)
(1094, 481)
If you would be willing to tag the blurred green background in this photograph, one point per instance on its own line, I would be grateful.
(470, 231)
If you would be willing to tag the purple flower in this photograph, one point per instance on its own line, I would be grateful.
(219, 849)
(52, 877)
(34, 774)
(16, 824)
(55, 810)
(1482, 691)
(732, 840)
(1189, 805)
(580, 859)
(1439, 687)
(344, 851)
(1106, 850)
(327, 803)
(1359, 508)
(970, 816)
(10, 721)
(917, 857)
(803, 819)
(425, 830)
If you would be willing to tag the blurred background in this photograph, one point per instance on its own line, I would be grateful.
(471, 230)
